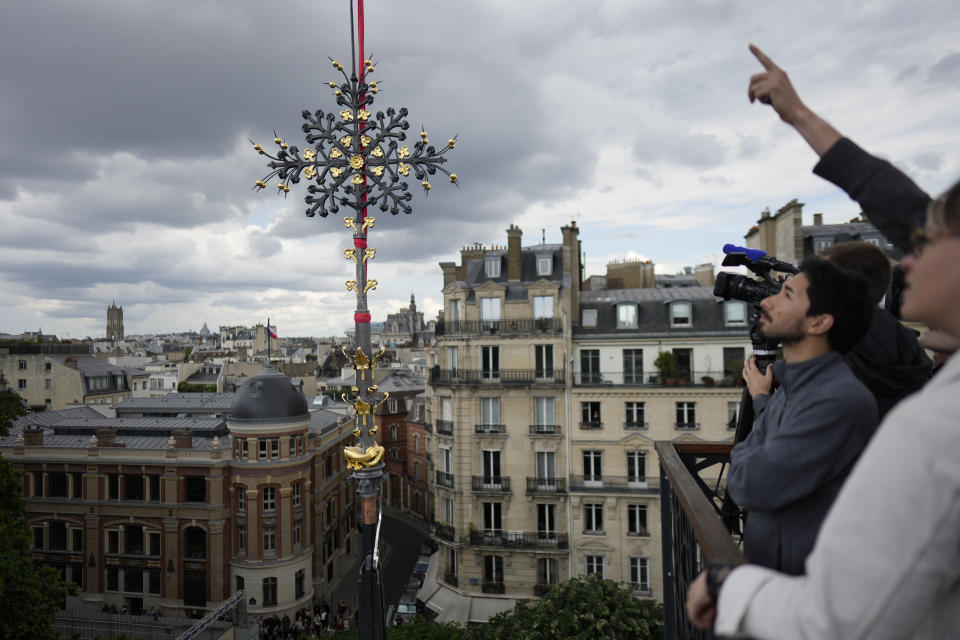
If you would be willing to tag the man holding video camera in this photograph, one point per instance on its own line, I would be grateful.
(810, 431)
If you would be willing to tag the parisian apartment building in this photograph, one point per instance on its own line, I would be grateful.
(545, 397)
(181, 501)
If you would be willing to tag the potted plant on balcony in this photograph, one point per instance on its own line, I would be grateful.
(735, 373)
(667, 367)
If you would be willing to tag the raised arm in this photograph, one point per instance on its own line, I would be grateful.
(888, 197)
(773, 87)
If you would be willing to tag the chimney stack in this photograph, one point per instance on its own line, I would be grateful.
(817, 219)
(33, 437)
(514, 265)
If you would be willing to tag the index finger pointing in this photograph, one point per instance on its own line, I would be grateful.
(767, 63)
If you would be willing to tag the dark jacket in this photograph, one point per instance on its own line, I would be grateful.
(890, 200)
(889, 361)
(806, 437)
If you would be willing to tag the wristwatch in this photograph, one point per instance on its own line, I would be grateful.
(716, 574)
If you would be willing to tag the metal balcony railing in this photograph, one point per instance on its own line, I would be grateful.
(656, 379)
(691, 529)
(615, 484)
(520, 539)
(498, 327)
(445, 427)
(445, 532)
(546, 485)
(593, 425)
(445, 479)
(544, 429)
(490, 484)
(492, 587)
(455, 377)
(632, 426)
(490, 429)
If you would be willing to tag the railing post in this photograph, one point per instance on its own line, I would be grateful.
(666, 537)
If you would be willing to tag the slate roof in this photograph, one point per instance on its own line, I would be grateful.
(179, 403)
(653, 317)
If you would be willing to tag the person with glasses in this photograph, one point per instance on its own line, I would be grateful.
(886, 563)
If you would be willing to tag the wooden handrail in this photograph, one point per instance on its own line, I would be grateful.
(713, 537)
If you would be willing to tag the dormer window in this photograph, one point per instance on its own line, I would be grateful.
(735, 313)
(544, 265)
(626, 316)
(492, 267)
(589, 318)
(681, 314)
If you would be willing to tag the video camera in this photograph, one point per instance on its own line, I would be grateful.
(740, 287)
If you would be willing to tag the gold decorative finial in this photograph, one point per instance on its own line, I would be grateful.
(351, 254)
(346, 140)
(426, 185)
(373, 363)
(423, 136)
(333, 85)
(357, 458)
(356, 162)
(371, 284)
(365, 140)
(258, 149)
(377, 171)
(309, 155)
(352, 285)
(451, 143)
(403, 152)
(335, 153)
(403, 169)
(363, 114)
(261, 184)
(360, 360)
(453, 178)
(367, 223)
(347, 115)
(336, 171)
(386, 394)
(337, 65)
(348, 223)
(369, 254)
(377, 152)
(357, 178)
(310, 172)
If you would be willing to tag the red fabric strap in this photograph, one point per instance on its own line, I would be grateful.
(360, 243)
(362, 317)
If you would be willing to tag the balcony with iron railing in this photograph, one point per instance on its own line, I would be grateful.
(502, 377)
(546, 486)
(519, 539)
(490, 429)
(445, 532)
(698, 379)
(498, 327)
(492, 587)
(445, 427)
(545, 430)
(693, 534)
(444, 479)
(614, 484)
(490, 484)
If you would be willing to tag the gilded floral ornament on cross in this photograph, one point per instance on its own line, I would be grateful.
(355, 153)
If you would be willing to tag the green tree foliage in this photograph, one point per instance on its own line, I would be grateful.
(11, 408)
(186, 387)
(582, 608)
(30, 597)
(186, 353)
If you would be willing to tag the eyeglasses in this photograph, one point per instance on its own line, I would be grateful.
(920, 240)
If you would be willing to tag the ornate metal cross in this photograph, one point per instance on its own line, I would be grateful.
(356, 159)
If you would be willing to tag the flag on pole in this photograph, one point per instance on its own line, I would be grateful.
(270, 331)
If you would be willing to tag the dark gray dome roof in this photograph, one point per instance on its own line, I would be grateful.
(269, 395)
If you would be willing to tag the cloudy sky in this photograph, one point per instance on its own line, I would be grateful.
(126, 171)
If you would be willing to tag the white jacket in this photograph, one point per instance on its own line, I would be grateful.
(887, 561)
